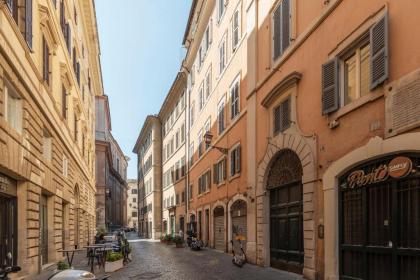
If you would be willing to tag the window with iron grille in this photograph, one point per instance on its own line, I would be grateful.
(282, 116)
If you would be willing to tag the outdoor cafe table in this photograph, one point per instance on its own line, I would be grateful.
(67, 252)
(92, 256)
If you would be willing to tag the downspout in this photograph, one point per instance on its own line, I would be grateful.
(256, 123)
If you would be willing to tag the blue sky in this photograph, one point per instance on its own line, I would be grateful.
(141, 52)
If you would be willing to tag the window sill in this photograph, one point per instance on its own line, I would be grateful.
(221, 184)
(237, 175)
(372, 96)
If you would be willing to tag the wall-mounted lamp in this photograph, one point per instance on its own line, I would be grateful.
(207, 139)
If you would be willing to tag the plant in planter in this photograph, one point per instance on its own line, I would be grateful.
(114, 261)
(168, 239)
(62, 265)
(162, 239)
(179, 242)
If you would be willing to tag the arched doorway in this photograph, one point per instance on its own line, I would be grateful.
(219, 228)
(193, 224)
(239, 226)
(284, 184)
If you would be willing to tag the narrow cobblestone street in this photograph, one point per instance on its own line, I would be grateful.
(153, 260)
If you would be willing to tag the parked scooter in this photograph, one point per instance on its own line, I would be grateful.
(238, 259)
(192, 241)
(9, 269)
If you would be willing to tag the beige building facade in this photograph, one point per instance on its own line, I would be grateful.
(49, 75)
(149, 166)
(173, 119)
(132, 204)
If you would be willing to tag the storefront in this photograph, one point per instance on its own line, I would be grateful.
(8, 221)
(379, 219)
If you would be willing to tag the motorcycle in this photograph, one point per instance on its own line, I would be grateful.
(238, 259)
(194, 243)
(9, 269)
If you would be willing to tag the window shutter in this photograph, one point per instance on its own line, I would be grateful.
(224, 168)
(238, 159)
(379, 52)
(276, 32)
(211, 31)
(68, 37)
(285, 115)
(330, 94)
(232, 163)
(285, 25)
(209, 179)
(276, 119)
(215, 173)
(28, 22)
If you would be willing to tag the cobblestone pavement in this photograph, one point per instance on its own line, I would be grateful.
(153, 260)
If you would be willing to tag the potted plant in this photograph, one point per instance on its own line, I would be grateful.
(114, 261)
(62, 266)
(168, 239)
(178, 241)
(162, 239)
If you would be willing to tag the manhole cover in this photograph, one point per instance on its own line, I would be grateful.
(146, 275)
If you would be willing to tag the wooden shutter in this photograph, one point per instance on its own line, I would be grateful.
(277, 33)
(232, 162)
(379, 52)
(215, 173)
(63, 18)
(238, 159)
(208, 179)
(330, 94)
(68, 37)
(45, 60)
(224, 168)
(285, 25)
(28, 22)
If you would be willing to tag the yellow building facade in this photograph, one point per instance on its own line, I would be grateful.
(49, 76)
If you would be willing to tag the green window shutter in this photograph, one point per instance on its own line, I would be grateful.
(28, 22)
(238, 159)
(232, 162)
(285, 25)
(215, 173)
(379, 52)
(330, 88)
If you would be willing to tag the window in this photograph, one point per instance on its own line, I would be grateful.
(208, 83)
(221, 4)
(282, 116)
(192, 115)
(207, 129)
(182, 133)
(45, 61)
(177, 199)
(172, 200)
(134, 191)
(176, 171)
(221, 115)
(134, 214)
(200, 57)
(192, 75)
(118, 165)
(200, 140)
(75, 129)
(204, 182)
(134, 199)
(190, 192)
(63, 102)
(236, 31)
(281, 28)
(235, 161)
(47, 145)
(359, 70)
(234, 99)
(201, 97)
(191, 154)
(148, 164)
(207, 36)
(183, 197)
(65, 166)
(219, 171)
(13, 106)
(176, 140)
(182, 166)
(222, 55)
(356, 71)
